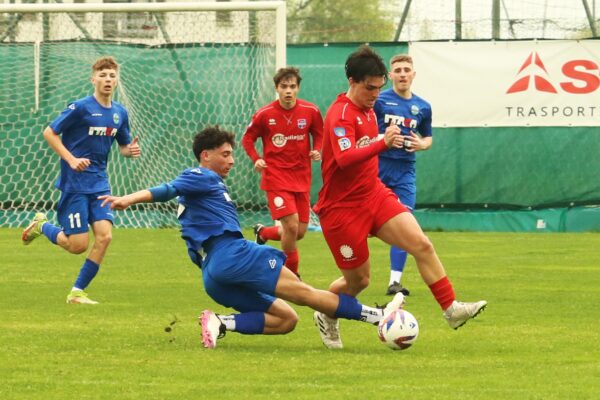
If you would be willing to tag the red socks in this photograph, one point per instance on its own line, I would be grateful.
(292, 261)
(443, 292)
(270, 233)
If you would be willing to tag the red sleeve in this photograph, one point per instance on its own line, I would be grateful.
(344, 147)
(356, 155)
(317, 131)
(252, 133)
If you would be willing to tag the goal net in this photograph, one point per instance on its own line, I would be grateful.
(183, 66)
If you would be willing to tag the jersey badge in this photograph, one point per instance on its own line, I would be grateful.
(414, 110)
(278, 140)
(344, 144)
(301, 123)
(339, 132)
(272, 121)
(116, 118)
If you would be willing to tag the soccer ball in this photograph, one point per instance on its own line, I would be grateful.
(399, 330)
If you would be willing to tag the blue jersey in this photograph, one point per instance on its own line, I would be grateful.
(88, 131)
(413, 114)
(205, 208)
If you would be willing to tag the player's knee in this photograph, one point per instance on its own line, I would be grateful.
(103, 240)
(77, 247)
(289, 323)
(358, 285)
(423, 246)
(300, 234)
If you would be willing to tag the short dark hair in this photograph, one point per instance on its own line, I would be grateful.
(211, 138)
(286, 73)
(364, 62)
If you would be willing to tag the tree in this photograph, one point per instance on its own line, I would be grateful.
(311, 21)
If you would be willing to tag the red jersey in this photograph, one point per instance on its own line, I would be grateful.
(349, 164)
(286, 144)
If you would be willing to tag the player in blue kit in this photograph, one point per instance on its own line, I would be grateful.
(89, 126)
(399, 106)
(238, 273)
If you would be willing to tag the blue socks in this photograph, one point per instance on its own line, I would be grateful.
(348, 308)
(250, 323)
(86, 274)
(51, 231)
(397, 258)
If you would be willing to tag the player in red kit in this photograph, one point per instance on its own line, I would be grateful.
(354, 203)
(285, 127)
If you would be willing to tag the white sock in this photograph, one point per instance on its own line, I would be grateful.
(228, 321)
(395, 276)
(371, 315)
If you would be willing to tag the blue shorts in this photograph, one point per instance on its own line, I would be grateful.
(76, 210)
(241, 274)
(401, 178)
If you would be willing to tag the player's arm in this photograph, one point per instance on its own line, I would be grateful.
(424, 140)
(77, 164)
(250, 136)
(132, 149)
(346, 153)
(160, 193)
(317, 136)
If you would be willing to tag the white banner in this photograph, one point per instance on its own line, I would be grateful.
(546, 83)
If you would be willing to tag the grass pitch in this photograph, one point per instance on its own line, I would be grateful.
(538, 338)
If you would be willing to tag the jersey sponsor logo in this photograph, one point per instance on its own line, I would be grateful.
(301, 123)
(391, 103)
(227, 197)
(339, 132)
(102, 131)
(358, 120)
(116, 118)
(347, 252)
(365, 141)
(272, 121)
(279, 139)
(344, 143)
(272, 263)
(96, 115)
(196, 171)
(71, 106)
(401, 121)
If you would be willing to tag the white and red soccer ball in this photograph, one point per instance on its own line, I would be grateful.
(398, 330)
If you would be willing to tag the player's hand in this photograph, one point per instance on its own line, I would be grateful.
(260, 165)
(79, 164)
(392, 137)
(134, 148)
(114, 202)
(315, 155)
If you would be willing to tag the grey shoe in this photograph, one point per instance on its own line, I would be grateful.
(459, 313)
(329, 329)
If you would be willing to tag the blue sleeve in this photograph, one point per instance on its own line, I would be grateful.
(379, 114)
(164, 192)
(425, 128)
(123, 136)
(192, 182)
(66, 119)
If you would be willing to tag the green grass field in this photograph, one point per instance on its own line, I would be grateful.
(538, 339)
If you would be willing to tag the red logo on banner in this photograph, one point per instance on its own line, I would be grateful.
(541, 84)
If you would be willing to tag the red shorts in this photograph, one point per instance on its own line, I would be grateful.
(282, 203)
(346, 229)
